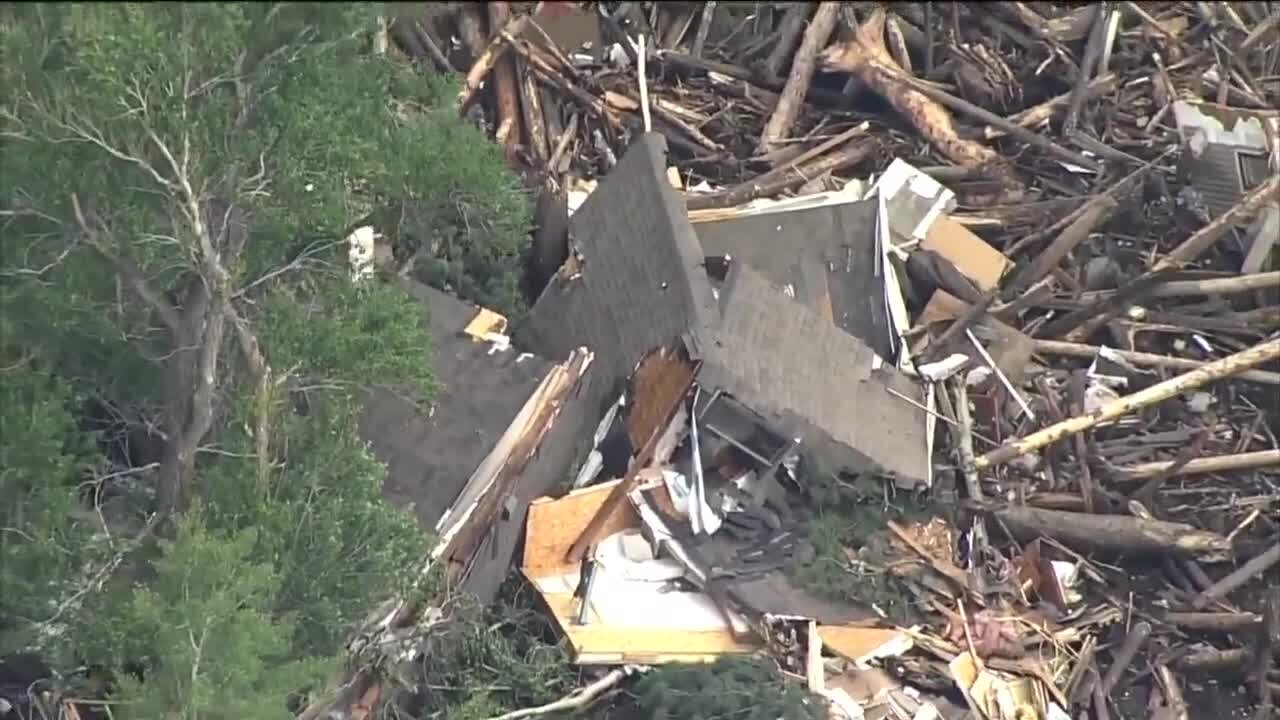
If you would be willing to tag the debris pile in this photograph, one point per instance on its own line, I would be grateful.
(1025, 267)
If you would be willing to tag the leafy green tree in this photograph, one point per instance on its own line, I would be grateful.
(203, 629)
(746, 688)
(178, 183)
(43, 540)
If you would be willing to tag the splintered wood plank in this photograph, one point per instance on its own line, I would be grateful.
(855, 643)
(554, 524)
(597, 643)
(660, 380)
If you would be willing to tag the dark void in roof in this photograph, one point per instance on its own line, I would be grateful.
(638, 283)
(813, 381)
(430, 454)
(826, 254)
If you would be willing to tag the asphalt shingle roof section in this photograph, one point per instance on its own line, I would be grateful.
(813, 381)
(641, 285)
(827, 254)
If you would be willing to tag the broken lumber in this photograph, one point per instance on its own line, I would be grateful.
(802, 69)
(616, 496)
(1120, 534)
(1081, 350)
(1205, 237)
(1217, 370)
(866, 58)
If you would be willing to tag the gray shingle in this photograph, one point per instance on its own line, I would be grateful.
(813, 381)
(827, 254)
(642, 284)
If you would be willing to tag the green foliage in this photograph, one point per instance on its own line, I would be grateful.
(42, 542)
(279, 111)
(338, 546)
(732, 687)
(486, 661)
(851, 514)
(367, 334)
(204, 629)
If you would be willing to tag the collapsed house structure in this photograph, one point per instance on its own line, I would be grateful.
(732, 363)
(502, 430)
(639, 279)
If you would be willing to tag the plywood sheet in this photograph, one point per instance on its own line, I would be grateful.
(971, 255)
(555, 523)
(486, 322)
(597, 643)
(856, 643)
(658, 382)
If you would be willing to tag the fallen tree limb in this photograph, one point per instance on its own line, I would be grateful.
(1047, 110)
(788, 35)
(1217, 370)
(1241, 575)
(1081, 350)
(1122, 534)
(483, 64)
(1205, 237)
(867, 58)
(1237, 284)
(578, 699)
(1202, 466)
(801, 75)
(1069, 239)
(774, 182)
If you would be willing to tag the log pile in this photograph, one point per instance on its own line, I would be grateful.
(1133, 439)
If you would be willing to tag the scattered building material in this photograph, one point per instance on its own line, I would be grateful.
(785, 241)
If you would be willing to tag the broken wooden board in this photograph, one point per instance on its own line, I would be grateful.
(971, 255)
(861, 644)
(485, 324)
(553, 526)
(1010, 348)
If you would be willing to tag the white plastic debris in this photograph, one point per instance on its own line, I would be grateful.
(943, 369)
(361, 245)
(1200, 402)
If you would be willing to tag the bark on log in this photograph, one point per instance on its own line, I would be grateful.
(867, 58)
(1121, 534)
(789, 32)
(487, 60)
(1217, 370)
(798, 81)
(1202, 466)
(531, 107)
(506, 88)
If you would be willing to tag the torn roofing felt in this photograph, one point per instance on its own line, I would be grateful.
(813, 381)
(638, 282)
(431, 453)
(826, 254)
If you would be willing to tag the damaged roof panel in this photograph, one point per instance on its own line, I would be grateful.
(638, 283)
(815, 382)
(430, 456)
(827, 254)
